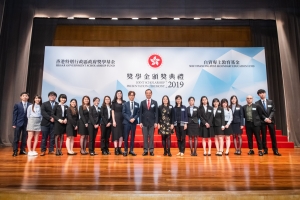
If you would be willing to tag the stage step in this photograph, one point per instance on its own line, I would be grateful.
(282, 141)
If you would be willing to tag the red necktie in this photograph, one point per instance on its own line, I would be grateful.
(148, 104)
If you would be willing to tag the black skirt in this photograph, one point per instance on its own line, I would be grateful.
(236, 128)
(70, 130)
(193, 129)
(206, 132)
(218, 130)
(228, 131)
(59, 128)
(82, 130)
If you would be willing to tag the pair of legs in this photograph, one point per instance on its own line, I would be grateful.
(204, 146)
(17, 134)
(166, 142)
(32, 134)
(193, 152)
(148, 135)
(272, 133)
(237, 140)
(250, 130)
(92, 137)
(58, 143)
(219, 141)
(129, 129)
(118, 145)
(180, 133)
(70, 144)
(105, 135)
(47, 134)
(83, 143)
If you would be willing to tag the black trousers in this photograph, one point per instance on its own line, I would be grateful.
(92, 133)
(105, 135)
(250, 130)
(272, 132)
(17, 135)
(129, 129)
(180, 134)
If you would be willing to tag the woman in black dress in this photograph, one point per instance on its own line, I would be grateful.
(83, 124)
(193, 125)
(180, 123)
(206, 118)
(117, 118)
(165, 124)
(237, 123)
(218, 126)
(105, 125)
(72, 126)
(59, 113)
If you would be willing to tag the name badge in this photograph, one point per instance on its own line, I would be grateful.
(182, 109)
(195, 109)
(170, 106)
(152, 105)
(269, 106)
(136, 106)
(238, 108)
(98, 110)
(208, 110)
(219, 111)
(253, 108)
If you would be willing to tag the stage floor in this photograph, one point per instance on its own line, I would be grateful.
(112, 173)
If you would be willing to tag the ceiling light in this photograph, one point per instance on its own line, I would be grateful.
(176, 18)
(154, 18)
(135, 18)
(92, 18)
(114, 18)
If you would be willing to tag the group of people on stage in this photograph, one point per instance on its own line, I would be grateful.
(120, 118)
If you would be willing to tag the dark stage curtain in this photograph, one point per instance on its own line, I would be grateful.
(264, 34)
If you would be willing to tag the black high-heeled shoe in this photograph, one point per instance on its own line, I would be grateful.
(116, 152)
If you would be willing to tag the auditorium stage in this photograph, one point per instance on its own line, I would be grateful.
(158, 177)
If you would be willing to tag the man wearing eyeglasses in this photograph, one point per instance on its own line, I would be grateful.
(253, 116)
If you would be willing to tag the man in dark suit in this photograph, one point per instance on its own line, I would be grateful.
(47, 124)
(19, 124)
(148, 121)
(253, 115)
(94, 124)
(268, 112)
(131, 113)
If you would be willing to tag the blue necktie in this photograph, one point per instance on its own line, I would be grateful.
(264, 106)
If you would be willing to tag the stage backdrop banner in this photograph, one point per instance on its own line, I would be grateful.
(186, 71)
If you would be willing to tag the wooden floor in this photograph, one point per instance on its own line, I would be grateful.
(146, 175)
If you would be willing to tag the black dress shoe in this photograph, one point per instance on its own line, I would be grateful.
(104, 153)
(236, 152)
(132, 153)
(266, 151)
(22, 152)
(108, 153)
(151, 154)
(276, 153)
(15, 154)
(125, 154)
(145, 154)
(92, 154)
(260, 153)
(116, 151)
(251, 152)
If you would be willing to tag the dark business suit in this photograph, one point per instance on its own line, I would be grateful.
(219, 121)
(72, 122)
(20, 122)
(253, 126)
(94, 119)
(47, 126)
(206, 117)
(57, 114)
(148, 117)
(237, 119)
(130, 111)
(105, 131)
(268, 112)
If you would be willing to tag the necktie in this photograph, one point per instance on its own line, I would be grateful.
(131, 108)
(148, 105)
(24, 107)
(264, 104)
(52, 105)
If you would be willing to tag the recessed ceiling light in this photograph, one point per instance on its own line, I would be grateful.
(197, 18)
(154, 18)
(92, 18)
(114, 18)
(70, 18)
(135, 18)
(176, 18)
(218, 18)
